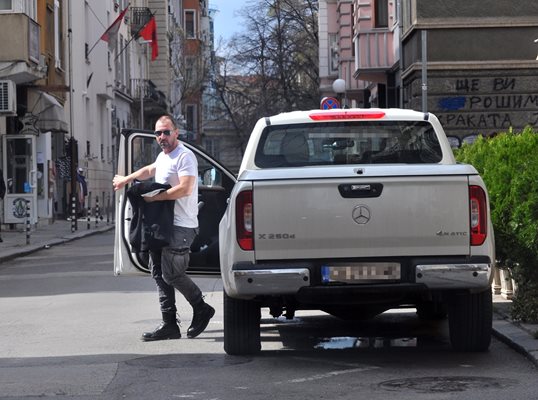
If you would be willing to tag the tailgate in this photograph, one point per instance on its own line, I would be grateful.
(361, 217)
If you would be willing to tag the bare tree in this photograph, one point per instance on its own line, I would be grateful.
(270, 67)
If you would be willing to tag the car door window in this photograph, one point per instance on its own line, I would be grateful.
(144, 151)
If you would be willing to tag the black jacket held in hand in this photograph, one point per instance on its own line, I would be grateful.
(152, 223)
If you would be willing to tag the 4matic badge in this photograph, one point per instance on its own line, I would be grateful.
(445, 233)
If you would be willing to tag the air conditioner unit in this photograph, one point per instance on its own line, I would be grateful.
(8, 98)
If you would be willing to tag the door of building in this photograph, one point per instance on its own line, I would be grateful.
(20, 166)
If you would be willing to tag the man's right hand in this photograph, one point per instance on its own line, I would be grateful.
(119, 181)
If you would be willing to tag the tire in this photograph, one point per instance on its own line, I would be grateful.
(241, 326)
(431, 310)
(470, 318)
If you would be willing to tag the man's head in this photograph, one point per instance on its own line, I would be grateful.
(166, 133)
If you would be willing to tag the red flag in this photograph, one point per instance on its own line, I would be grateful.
(149, 32)
(111, 34)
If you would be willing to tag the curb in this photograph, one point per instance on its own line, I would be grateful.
(516, 337)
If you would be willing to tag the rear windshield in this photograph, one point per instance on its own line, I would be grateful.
(353, 142)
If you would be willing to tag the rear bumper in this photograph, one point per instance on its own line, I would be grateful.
(281, 278)
(453, 276)
(270, 281)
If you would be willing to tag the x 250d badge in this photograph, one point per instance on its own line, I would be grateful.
(276, 235)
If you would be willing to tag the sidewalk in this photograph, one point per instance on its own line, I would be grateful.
(44, 235)
(519, 336)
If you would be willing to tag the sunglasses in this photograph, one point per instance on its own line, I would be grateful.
(166, 132)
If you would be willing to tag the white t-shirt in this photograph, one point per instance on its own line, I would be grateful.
(168, 168)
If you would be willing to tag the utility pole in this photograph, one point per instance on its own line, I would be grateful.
(72, 142)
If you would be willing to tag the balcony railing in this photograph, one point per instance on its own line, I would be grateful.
(146, 88)
(139, 18)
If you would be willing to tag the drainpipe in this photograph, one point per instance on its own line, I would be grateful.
(424, 70)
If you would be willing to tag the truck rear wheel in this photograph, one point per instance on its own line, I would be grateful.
(241, 326)
(470, 317)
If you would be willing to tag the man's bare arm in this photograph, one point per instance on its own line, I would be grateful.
(142, 174)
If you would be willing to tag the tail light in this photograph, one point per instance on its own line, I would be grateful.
(244, 220)
(478, 209)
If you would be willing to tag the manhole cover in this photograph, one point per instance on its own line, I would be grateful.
(445, 384)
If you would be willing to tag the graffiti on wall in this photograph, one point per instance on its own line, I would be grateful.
(487, 104)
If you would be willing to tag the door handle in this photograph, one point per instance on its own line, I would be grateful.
(360, 190)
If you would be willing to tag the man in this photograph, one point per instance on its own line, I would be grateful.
(177, 166)
(82, 191)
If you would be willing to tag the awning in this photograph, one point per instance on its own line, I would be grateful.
(49, 112)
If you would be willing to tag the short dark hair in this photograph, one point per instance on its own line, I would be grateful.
(169, 118)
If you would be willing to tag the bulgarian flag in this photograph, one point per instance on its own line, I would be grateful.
(111, 34)
(149, 33)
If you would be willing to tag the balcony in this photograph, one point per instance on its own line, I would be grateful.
(154, 100)
(140, 16)
(19, 49)
(375, 54)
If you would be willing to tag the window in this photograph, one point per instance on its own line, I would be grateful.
(333, 52)
(57, 35)
(6, 5)
(190, 117)
(212, 146)
(190, 24)
(50, 31)
(368, 142)
(381, 14)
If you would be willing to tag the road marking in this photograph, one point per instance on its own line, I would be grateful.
(329, 375)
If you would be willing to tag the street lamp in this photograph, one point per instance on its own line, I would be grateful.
(339, 86)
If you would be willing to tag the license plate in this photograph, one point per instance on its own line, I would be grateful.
(361, 272)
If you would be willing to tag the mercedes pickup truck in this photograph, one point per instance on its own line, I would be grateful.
(354, 212)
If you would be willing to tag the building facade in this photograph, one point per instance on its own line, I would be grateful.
(72, 75)
(473, 64)
(32, 103)
(481, 70)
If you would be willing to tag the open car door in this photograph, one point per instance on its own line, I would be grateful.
(138, 148)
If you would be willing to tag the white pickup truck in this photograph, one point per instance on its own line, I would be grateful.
(353, 212)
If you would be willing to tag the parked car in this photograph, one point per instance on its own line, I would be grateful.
(351, 212)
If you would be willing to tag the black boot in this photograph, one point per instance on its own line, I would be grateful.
(202, 313)
(168, 329)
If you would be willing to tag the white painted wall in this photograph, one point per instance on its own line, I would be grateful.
(92, 103)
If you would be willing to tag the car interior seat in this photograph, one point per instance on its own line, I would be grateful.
(294, 148)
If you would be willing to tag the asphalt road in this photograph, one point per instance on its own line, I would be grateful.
(69, 328)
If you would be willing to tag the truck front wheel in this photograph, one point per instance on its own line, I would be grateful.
(241, 326)
(470, 317)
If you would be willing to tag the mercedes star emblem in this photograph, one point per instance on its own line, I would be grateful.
(361, 214)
